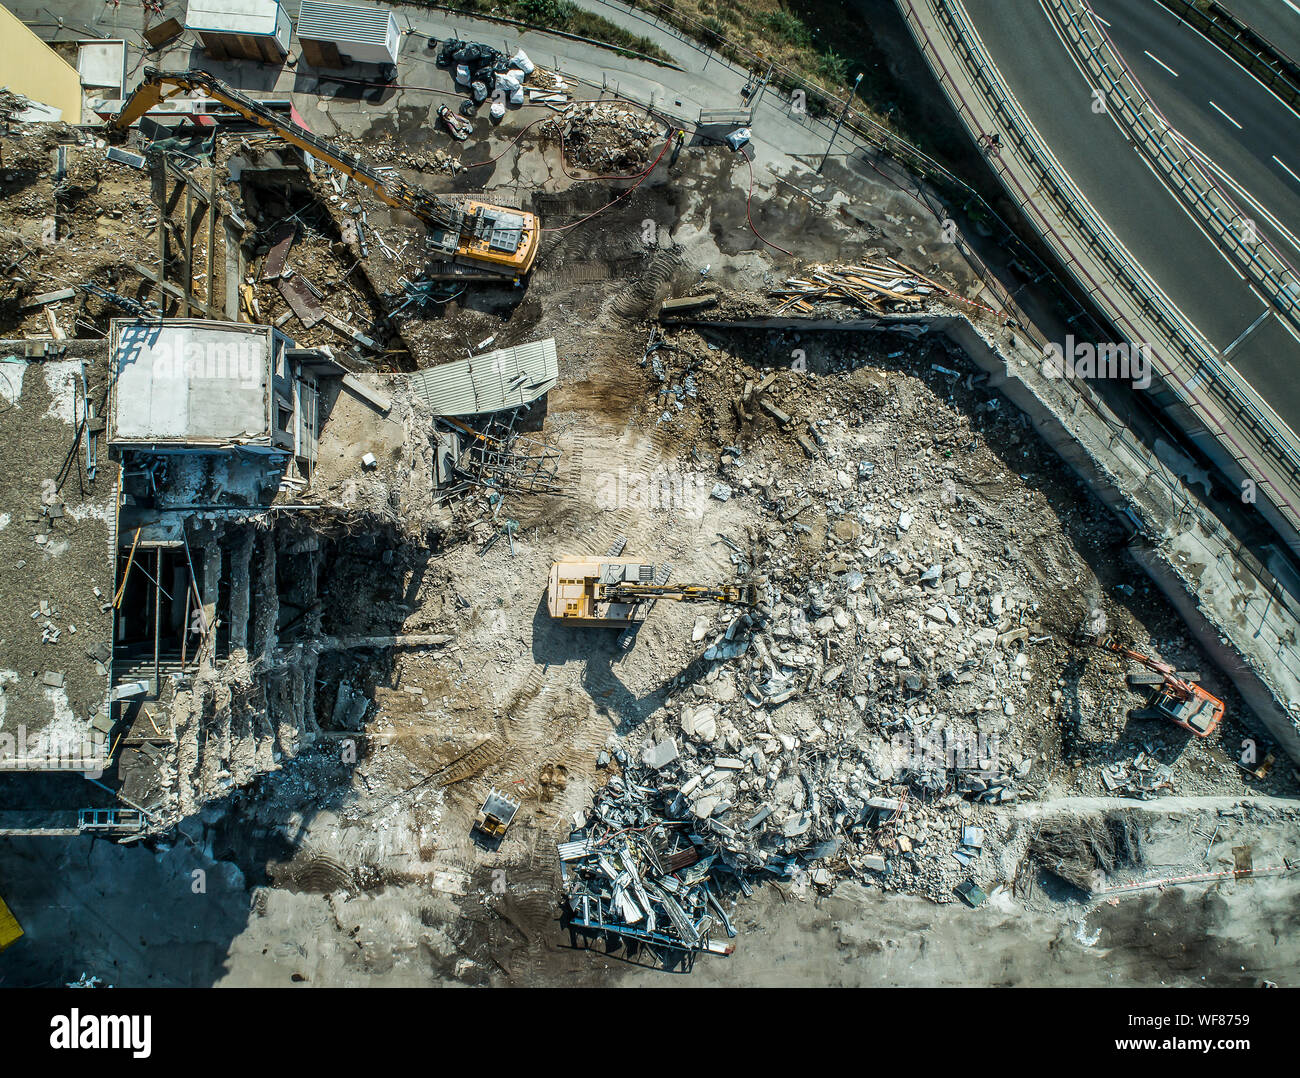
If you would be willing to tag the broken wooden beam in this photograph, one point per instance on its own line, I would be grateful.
(371, 396)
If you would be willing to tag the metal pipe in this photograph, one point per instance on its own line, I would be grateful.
(843, 112)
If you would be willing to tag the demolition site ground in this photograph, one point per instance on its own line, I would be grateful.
(925, 561)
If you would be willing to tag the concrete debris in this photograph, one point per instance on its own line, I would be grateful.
(1143, 777)
(605, 136)
(891, 713)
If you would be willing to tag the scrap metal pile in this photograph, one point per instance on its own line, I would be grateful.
(648, 866)
(875, 286)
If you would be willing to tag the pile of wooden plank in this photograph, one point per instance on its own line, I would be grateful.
(880, 288)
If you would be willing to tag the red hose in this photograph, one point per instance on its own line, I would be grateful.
(750, 198)
(640, 179)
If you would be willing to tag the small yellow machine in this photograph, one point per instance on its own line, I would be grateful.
(496, 814)
(467, 240)
(615, 593)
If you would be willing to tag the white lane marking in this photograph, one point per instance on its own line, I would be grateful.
(1225, 115)
(1289, 172)
(1162, 63)
(1247, 331)
(1254, 203)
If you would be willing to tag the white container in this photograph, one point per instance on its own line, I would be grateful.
(249, 29)
(365, 35)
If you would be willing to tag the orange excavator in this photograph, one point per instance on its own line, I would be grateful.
(1177, 696)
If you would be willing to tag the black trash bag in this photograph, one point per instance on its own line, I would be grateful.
(469, 54)
(447, 55)
(479, 91)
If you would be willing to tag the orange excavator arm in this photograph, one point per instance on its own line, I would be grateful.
(1175, 684)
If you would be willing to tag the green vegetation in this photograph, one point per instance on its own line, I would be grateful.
(564, 16)
(788, 27)
(833, 67)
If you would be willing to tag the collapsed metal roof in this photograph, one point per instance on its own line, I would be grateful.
(506, 378)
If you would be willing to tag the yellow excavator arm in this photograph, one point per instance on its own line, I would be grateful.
(735, 594)
(500, 241)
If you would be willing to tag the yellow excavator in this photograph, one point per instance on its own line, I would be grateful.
(467, 240)
(613, 592)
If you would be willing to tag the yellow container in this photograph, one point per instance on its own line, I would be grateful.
(10, 929)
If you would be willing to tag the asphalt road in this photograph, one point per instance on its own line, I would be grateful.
(1187, 265)
(1246, 131)
(1277, 20)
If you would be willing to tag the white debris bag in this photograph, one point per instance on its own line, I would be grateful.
(497, 110)
(517, 96)
(738, 138)
(462, 74)
(521, 61)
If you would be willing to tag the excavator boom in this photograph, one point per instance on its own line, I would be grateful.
(499, 241)
(1177, 699)
(616, 592)
(691, 593)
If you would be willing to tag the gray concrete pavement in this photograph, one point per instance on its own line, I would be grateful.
(1229, 115)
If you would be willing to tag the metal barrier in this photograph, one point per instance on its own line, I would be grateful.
(1093, 48)
(1254, 51)
(1194, 362)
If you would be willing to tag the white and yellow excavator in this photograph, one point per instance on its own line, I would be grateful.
(466, 240)
(615, 593)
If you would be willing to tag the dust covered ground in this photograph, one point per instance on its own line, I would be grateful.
(926, 560)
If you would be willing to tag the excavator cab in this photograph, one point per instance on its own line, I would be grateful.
(1198, 712)
(1176, 697)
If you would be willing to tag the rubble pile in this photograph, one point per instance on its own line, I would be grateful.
(386, 152)
(91, 222)
(647, 864)
(604, 136)
(904, 674)
(1143, 777)
(812, 729)
(11, 104)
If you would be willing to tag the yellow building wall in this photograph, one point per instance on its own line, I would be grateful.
(30, 67)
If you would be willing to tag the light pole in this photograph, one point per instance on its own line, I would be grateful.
(843, 112)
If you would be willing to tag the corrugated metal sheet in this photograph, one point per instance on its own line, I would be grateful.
(506, 378)
(343, 23)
